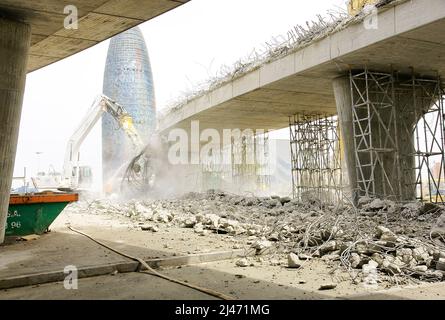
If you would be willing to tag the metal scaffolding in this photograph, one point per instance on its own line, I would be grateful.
(375, 134)
(244, 164)
(398, 130)
(426, 152)
(214, 170)
(250, 162)
(315, 158)
(262, 160)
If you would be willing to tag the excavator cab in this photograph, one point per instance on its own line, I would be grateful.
(85, 177)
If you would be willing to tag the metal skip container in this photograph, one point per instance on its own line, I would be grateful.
(34, 213)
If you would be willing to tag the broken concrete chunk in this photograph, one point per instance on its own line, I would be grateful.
(370, 272)
(284, 200)
(164, 217)
(440, 265)
(405, 255)
(381, 230)
(293, 261)
(147, 227)
(420, 268)
(230, 229)
(412, 206)
(420, 254)
(199, 228)
(261, 244)
(331, 257)
(376, 204)
(328, 247)
(391, 267)
(272, 203)
(274, 262)
(389, 237)
(436, 273)
(363, 201)
(355, 260)
(335, 232)
(438, 229)
(429, 207)
(361, 248)
(328, 286)
(303, 256)
(273, 237)
(190, 222)
(211, 219)
(372, 264)
(242, 263)
(377, 257)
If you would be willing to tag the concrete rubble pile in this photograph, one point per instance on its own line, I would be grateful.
(403, 243)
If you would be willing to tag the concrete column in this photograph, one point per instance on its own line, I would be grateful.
(14, 46)
(342, 91)
(408, 112)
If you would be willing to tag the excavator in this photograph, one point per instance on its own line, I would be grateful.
(75, 176)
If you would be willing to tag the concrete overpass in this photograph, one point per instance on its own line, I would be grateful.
(98, 21)
(379, 147)
(33, 35)
(409, 35)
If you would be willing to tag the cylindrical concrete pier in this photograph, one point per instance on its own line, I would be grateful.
(14, 46)
(393, 171)
(342, 92)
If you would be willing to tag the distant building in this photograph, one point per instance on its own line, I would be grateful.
(128, 80)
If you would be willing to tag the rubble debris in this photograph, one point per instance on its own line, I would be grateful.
(391, 241)
(440, 264)
(328, 286)
(148, 227)
(429, 208)
(303, 256)
(438, 229)
(293, 261)
(260, 245)
(242, 263)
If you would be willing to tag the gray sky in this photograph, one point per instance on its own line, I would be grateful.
(186, 46)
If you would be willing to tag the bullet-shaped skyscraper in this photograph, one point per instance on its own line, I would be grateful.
(128, 80)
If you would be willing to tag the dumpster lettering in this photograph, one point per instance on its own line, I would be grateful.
(13, 214)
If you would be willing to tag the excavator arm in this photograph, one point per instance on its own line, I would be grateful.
(101, 105)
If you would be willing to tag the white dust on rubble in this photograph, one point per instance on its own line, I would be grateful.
(378, 242)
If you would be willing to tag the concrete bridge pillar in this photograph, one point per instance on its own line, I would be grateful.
(343, 99)
(14, 45)
(377, 115)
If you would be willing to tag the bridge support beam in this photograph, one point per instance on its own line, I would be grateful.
(14, 45)
(388, 144)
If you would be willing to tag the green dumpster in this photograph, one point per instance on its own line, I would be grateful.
(34, 213)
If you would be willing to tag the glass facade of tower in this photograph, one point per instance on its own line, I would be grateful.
(128, 80)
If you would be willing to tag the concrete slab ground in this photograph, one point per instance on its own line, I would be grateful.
(62, 247)
(260, 280)
(245, 283)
